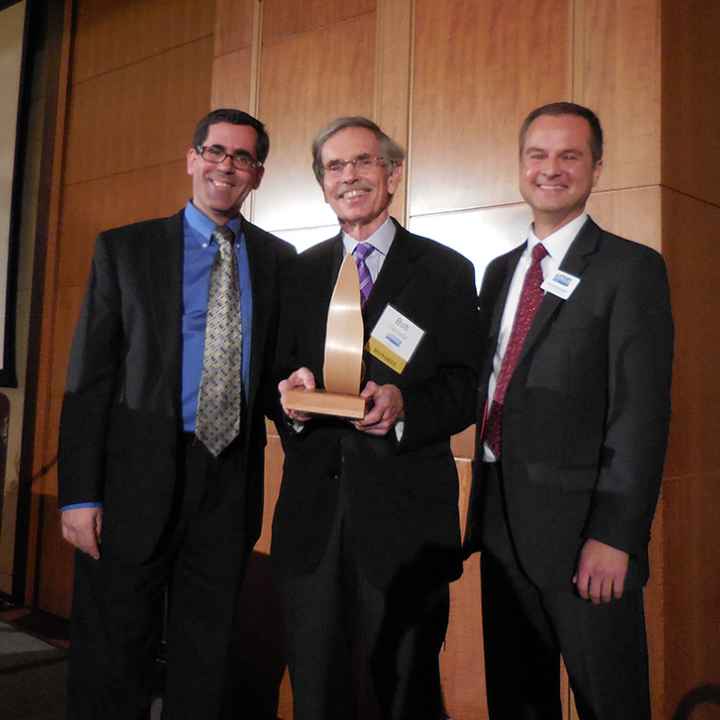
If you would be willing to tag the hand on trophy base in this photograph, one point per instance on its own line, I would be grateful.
(301, 400)
(386, 408)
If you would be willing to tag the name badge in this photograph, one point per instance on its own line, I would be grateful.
(394, 339)
(561, 284)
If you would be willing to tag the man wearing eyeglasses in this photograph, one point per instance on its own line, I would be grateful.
(162, 435)
(366, 535)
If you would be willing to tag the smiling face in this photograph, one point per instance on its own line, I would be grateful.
(219, 189)
(557, 171)
(359, 197)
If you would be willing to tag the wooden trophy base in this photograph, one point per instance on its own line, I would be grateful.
(319, 402)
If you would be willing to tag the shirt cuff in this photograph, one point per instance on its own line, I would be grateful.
(74, 506)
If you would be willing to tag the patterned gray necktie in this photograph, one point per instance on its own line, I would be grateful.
(220, 395)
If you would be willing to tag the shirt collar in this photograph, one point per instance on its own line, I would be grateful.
(204, 226)
(558, 242)
(381, 239)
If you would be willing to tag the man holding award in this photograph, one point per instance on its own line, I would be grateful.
(366, 533)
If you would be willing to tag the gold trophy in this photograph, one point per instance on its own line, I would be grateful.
(342, 369)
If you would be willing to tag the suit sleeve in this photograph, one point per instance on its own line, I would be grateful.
(639, 374)
(445, 403)
(92, 377)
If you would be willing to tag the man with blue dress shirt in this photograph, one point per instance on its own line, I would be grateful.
(162, 435)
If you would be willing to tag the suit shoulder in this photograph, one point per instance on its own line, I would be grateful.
(280, 246)
(318, 252)
(437, 251)
(624, 246)
(141, 229)
(621, 252)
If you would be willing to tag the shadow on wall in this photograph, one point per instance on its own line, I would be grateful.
(703, 695)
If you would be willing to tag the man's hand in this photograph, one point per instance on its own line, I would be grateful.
(386, 408)
(302, 378)
(82, 527)
(601, 571)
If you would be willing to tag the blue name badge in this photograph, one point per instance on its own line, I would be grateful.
(561, 284)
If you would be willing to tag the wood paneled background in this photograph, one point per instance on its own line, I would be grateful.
(451, 80)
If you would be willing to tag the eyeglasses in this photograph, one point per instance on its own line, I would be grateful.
(362, 164)
(241, 159)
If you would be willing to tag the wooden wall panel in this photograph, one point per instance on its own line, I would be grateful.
(617, 73)
(479, 68)
(480, 235)
(233, 25)
(111, 35)
(393, 73)
(108, 202)
(691, 98)
(633, 214)
(692, 486)
(231, 80)
(44, 480)
(461, 660)
(692, 588)
(289, 18)
(70, 300)
(307, 80)
(692, 251)
(139, 116)
(55, 571)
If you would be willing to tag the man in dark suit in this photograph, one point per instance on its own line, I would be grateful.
(366, 533)
(574, 410)
(162, 435)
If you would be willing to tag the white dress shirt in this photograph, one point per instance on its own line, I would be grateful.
(557, 245)
(381, 240)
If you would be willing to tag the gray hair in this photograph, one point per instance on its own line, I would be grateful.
(391, 152)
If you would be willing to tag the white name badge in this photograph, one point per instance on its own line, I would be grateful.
(561, 284)
(394, 339)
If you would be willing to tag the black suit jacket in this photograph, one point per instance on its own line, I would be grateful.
(586, 414)
(121, 416)
(402, 497)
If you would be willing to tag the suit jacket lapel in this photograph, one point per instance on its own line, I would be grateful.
(394, 275)
(260, 263)
(164, 279)
(574, 263)
(505, 275)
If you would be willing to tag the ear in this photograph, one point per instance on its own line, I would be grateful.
(259, 174)
(191, 158)
(324, 190)
(597, 170)
(394, 178)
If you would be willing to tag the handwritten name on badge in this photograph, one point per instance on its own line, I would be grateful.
(394, 339)
(561, 284)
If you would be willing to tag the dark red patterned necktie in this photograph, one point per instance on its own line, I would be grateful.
(528, 304)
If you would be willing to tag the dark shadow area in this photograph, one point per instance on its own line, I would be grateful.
(414, 600)
(702, 695)
(32, 676)
(259, 651)
(35, 691)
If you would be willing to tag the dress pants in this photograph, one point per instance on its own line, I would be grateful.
(527, 628)
(116, 619)
(359, 651)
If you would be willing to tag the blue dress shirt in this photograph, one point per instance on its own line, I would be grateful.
(200, 251)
